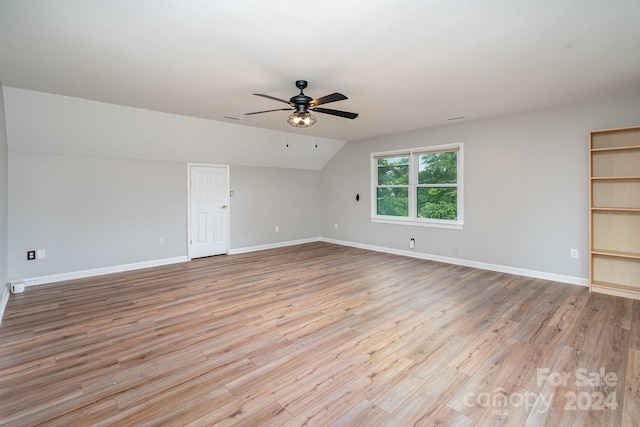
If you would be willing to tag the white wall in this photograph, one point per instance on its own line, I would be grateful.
(4, 167)
(97, 185)
(44, 123)
(84, 176)
(525, 187)
(91, 212)
(266, 197)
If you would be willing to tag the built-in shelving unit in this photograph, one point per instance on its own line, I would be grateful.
(614, 219)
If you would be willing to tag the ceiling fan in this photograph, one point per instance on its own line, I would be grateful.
(303, 104)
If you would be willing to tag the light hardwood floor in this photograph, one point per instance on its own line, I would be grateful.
(318, 334)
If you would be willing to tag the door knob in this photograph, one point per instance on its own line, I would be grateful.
(224, 206)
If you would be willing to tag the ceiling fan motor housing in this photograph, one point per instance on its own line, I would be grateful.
(301, 101)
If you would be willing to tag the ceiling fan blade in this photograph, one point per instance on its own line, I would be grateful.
(271, 97)
(327, 99)
(345, 114)
(268, 111)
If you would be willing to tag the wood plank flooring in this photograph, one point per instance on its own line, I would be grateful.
(318, 334)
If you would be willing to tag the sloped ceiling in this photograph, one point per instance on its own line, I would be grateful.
(404, 64)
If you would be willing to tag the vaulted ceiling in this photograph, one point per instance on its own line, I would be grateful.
(403, 64)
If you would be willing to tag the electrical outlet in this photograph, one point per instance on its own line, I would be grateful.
(412, 243)
(335, 226)
(574, 253)
(162, 240)
(31, 255)
(41, 254)
(277, 229)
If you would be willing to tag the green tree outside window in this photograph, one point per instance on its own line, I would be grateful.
(393, 186)
(419, 185)
(437, 194)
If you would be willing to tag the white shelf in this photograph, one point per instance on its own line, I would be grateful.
(614, 214)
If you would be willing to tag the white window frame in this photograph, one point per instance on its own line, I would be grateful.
(412, 219)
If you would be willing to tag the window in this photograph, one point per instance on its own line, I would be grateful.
(420, 186)
(393, 186)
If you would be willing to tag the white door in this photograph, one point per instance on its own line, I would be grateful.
(209, 213)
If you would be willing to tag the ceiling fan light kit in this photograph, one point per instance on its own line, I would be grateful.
(301, 120)
(303, 104)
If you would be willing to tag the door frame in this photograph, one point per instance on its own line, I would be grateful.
(228, 221)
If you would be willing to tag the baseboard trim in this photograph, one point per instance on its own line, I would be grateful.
(467, 263)
(41, 280)
(4, 301)
(273, 246)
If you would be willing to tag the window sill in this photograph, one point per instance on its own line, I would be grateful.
(449, 225)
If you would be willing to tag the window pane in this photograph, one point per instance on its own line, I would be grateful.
(393, 201)
(437, 203)
(393, 171)
(438, 168)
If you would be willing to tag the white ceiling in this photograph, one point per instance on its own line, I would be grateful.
(404, 64)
